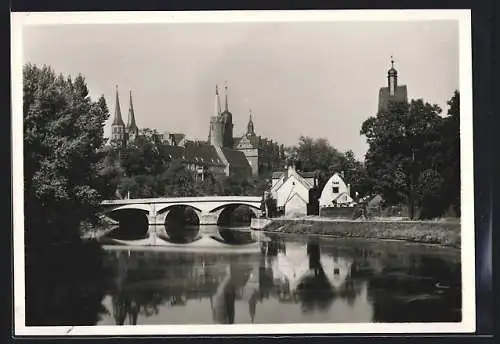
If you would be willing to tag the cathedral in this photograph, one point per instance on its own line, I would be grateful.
(393, 92)
(120, 133)
(262, 154)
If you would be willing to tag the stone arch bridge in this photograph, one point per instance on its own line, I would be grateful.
(209, 209)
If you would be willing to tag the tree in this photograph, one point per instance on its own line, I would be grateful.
(355, 174)
(63, 148)
(404, 141)
(450, 162)
(317, 156)
(178, 181)
(143, 155)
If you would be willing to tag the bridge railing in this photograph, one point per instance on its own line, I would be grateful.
(184, 199)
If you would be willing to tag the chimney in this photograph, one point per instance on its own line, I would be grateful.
(291, 168)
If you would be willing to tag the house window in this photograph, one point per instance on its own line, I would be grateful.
(335, 189)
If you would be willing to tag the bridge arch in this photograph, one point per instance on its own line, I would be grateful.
(133, 222)
(181, 222)
(238, 214)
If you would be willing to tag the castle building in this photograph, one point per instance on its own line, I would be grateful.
(120, 133)
(263, 155)
(393, 92)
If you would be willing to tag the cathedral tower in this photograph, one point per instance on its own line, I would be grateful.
(132, 129)
(215, 137)
(227, 125)
(118, 127)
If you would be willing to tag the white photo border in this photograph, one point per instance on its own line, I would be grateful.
(468, 324)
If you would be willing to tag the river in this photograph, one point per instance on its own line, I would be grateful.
(290, 280)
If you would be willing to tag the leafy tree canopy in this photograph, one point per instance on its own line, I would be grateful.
(412, 148)
(63, 152)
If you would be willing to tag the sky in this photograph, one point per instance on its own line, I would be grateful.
(317, 79)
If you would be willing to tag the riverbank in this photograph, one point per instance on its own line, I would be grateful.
(444, 233)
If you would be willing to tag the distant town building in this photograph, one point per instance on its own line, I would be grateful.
(336, 193)
(291, 189)
(173, 139)
(393, 92)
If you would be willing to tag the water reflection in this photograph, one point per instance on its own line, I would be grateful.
(289, 281)
(65, 285)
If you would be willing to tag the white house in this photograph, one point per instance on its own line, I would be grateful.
(336, 193)
(291, 191)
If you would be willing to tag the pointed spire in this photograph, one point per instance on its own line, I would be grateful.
(250, 127)
(217, 101)
(118, 113)
(131, 116)
(392, 62)
(226, 107)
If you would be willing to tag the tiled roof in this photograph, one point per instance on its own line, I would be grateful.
(235, 158)
(307, 174)
(278, 175)
(202, 154)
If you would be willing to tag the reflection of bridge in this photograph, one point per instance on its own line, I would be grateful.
(209, 209)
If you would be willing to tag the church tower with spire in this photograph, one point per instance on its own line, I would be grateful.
(227, 125)
(393, 92)
(215, 137)
(118, 127)
(132, 129)
(249, 146)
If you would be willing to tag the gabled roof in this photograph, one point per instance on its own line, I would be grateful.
(340, 195)
(236, 158)
(278, 175)
(200, 154)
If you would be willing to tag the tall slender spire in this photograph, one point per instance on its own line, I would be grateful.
(226, 107)
(131, 116)
(118, 113)
(217, 101)
(250, 126)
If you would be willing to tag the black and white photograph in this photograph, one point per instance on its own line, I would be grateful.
(245, 172)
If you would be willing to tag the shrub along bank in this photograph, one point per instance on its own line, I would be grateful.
(426, 232)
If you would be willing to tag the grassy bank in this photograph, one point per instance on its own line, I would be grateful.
(445, 233)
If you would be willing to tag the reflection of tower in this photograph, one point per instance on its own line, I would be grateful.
(313, 251)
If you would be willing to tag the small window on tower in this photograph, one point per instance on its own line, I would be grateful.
(335, 189)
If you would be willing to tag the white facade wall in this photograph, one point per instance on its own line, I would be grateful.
(296, 206)
(291, 186)
(335, 187)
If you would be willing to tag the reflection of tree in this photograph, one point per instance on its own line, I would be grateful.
(64, 285)
(426, 289)
(315, 291)
(144, 282)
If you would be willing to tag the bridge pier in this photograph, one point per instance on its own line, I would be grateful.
(209, 218)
